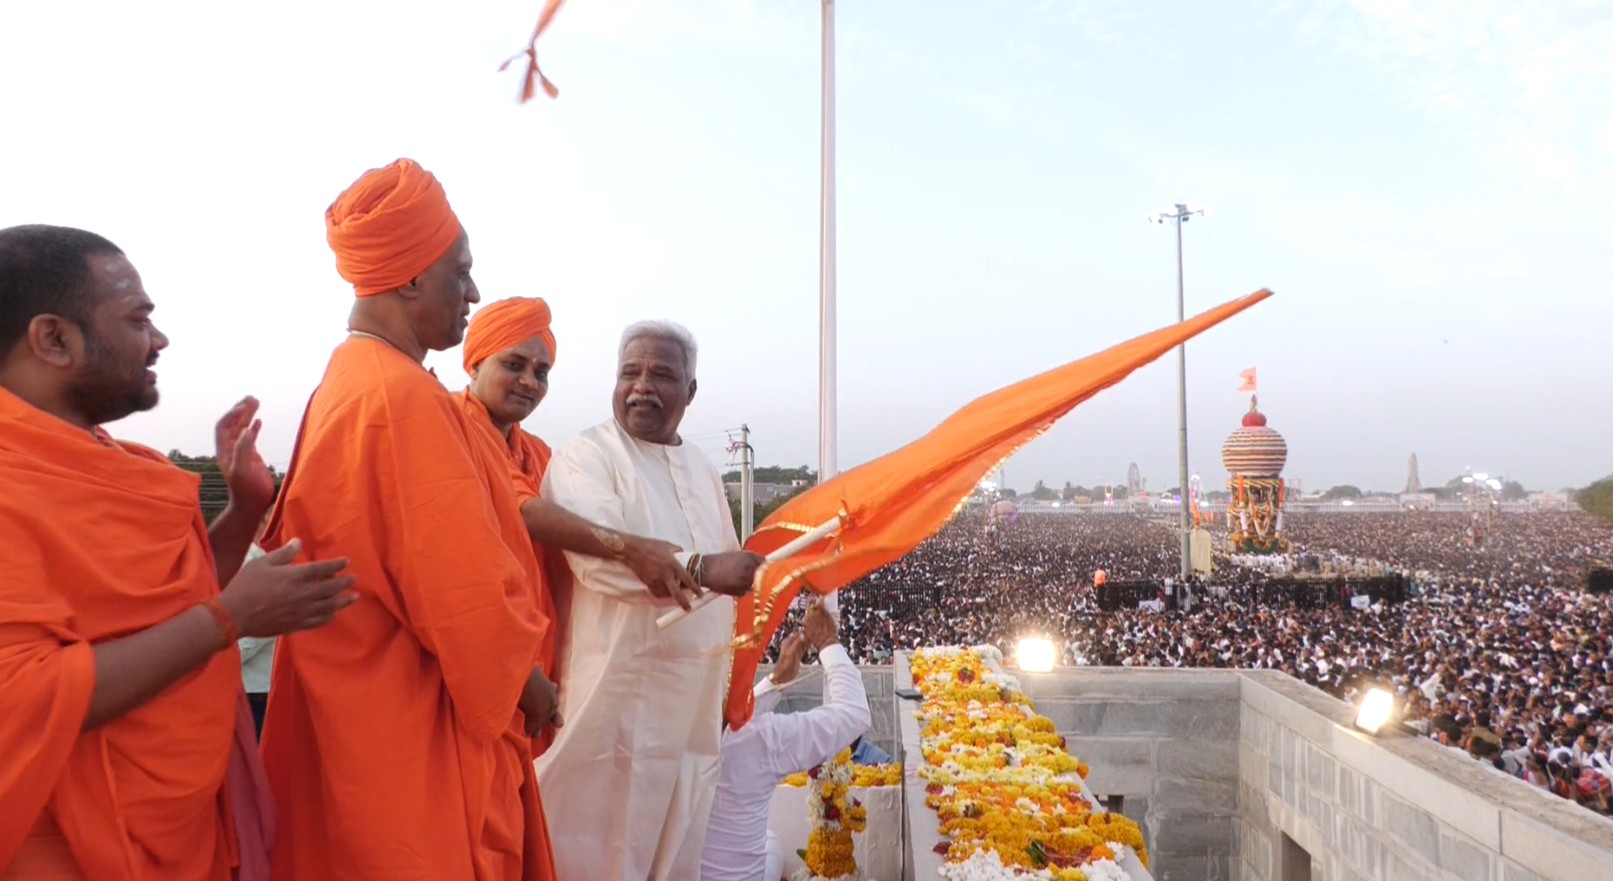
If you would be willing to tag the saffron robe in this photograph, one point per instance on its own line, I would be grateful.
(393, 741)
(99, 540)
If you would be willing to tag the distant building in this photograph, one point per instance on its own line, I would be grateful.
(1419, 501)
(765, 492)
(1553, 500)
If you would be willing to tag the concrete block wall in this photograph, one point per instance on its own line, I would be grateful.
(1390, 808)
(1167, 742)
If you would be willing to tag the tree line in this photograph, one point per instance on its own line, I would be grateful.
(1598, 498)
(213, 493)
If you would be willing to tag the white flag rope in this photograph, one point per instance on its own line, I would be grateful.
(807, 540)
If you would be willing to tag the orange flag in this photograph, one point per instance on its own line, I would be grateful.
(1248, 380)
(533, 74)
(890, 505)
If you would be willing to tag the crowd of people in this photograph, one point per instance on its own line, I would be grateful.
(1498, 651)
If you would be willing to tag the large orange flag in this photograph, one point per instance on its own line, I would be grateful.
(890, 505)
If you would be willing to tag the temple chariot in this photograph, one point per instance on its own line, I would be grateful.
(1254, 456)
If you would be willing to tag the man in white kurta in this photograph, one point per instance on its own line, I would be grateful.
(757, 758)
(629, 780)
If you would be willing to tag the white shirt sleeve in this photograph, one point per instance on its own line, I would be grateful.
(799, 741)
(765, 697)
(579, 480)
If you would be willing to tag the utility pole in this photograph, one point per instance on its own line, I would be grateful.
(1181, 214)
(747, 484)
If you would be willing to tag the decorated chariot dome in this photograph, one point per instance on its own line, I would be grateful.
(1254, 450)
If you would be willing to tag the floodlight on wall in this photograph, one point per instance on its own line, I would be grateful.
(1376, 708)
(1036, 655)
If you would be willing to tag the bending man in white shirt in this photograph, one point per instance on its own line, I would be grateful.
(627, 784)
(757, 758)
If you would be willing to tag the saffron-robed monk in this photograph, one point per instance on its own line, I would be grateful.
(126, 747)
(398, 741)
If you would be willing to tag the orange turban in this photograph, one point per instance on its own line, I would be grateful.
(504, 324)
(390, 226)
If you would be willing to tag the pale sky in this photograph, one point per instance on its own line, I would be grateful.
(1423, 183)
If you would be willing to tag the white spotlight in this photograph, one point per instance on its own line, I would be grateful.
(1376, 708)
(1036, 655)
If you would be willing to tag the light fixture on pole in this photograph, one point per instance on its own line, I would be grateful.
(1036, 654)
(1377, 708)
(1181, 214)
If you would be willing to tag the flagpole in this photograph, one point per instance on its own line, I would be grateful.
(828, 399)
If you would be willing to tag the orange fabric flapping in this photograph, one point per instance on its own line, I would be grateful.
(390, 226)
(143, 795)
(504, 324)
(890, 505)
(534, 76)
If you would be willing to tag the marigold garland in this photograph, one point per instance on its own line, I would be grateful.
(835, 816)
(1002, 781)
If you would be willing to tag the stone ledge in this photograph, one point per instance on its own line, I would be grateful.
(1568, 852)
(1125, 683)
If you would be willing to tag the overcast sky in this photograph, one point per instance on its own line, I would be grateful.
(1422, 183)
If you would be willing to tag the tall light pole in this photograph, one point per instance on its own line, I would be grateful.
(1181, 214)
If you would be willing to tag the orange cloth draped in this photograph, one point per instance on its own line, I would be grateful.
(890, 505)
(97, 541)
(528, 460)
(534, 76)
(390, 226)
(504, 324)
(393, 740)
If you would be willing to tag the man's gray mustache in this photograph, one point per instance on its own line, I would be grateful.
(640, 399)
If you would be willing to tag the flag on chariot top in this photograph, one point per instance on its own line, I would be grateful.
(1248, 377)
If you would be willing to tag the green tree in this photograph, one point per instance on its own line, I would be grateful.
(1044, 493)
(213, 494)
(1598, 498)
(763, 509)
(1513, 491)
(777, 474)
(1346, 491)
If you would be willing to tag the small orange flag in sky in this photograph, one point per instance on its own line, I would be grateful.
(534, 76)
(1248, 377)
(890, 505)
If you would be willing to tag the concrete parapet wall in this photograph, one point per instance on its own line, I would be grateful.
(1166, 742)
(1391, 808)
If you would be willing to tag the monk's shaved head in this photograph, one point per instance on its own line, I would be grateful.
(45, 270)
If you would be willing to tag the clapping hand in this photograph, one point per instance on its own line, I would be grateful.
(250, 482)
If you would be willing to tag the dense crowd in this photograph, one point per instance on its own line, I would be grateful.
(1498, 652)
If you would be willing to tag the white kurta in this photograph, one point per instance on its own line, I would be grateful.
(628, 783)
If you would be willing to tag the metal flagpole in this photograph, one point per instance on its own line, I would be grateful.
(828, 400)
